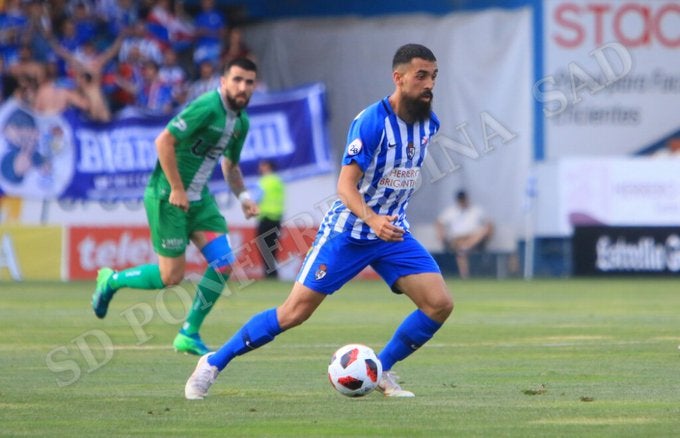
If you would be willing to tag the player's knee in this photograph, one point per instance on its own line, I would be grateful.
(171, 278)
(447, 306)
(441, 308)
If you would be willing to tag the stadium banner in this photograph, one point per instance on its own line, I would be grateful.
(88, 249)
(91, 248)
(607, 251)
(611, 77)
(30, 252)
(637, 191)
(67, 157)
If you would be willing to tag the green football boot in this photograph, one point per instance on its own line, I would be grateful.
(190, 344)
(103, 293)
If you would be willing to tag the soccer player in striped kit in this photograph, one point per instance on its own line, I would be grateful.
(366, 226)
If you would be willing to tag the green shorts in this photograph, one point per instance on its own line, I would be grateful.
(171, 227)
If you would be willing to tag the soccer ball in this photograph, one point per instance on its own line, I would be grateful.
(354, 370)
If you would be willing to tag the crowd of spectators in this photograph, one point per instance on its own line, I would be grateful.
(102, 57)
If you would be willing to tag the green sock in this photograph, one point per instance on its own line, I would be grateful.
(208, 291)
(139, 277)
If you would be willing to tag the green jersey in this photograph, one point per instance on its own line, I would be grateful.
(205, 131)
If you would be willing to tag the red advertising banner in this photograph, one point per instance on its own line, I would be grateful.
(90, 248)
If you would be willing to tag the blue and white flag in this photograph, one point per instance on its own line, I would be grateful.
(67, 157)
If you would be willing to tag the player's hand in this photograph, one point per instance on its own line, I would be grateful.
(250, 208)
(179, 199)
(383, 227)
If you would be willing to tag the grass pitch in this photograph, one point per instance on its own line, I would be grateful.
(567, 358)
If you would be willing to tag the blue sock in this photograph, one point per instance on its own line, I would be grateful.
(261, 329)
(413, 332)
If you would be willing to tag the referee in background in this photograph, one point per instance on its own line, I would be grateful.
(271, 202)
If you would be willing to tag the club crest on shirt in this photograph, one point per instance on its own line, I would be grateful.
(410, 151)
(354, 147)
(321, 272)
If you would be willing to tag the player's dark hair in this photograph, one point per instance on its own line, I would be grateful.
(407, 52)
(244, 63)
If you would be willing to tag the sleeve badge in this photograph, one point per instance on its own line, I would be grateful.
(354, 147)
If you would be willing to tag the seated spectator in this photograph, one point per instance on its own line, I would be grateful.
(170, 26)
(183, 32)
(172, 74)
(102, 61)
(127, 80)
(236, 46)
(117, 15)
(84, 21)
(210, 32)
(13, 24)
(25, 65)
(38, 25)
(58, 13)
(67, 39)
(138, 43)
(461, 228)
(154, 97)
(208, 80)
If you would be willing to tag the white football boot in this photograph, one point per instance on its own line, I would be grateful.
(390, 387)
(201, 379)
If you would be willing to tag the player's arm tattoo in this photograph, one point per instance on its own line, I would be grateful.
(234, 177)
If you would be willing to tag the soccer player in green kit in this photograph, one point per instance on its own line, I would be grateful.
(181, 209)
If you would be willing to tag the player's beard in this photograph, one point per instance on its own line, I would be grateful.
(417, 108)
(236, 105)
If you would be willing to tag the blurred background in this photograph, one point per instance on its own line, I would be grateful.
(559, 118)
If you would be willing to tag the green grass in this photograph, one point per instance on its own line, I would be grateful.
(567, 358)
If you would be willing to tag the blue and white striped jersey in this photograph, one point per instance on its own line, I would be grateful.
(391, 153)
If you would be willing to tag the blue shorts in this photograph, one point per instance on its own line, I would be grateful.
(333, 261)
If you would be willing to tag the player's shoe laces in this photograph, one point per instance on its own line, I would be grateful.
(390, 387)
(191, 344)
(103, 293)
(201, 379)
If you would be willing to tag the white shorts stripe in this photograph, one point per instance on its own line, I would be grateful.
(309, 260)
